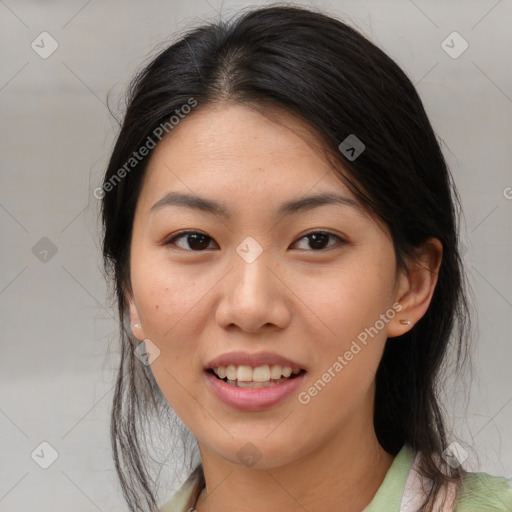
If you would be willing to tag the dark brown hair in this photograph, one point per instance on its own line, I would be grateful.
(331, 76)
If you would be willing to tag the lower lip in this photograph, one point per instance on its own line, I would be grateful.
(252, 399)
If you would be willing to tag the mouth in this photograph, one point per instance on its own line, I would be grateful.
(249, 377)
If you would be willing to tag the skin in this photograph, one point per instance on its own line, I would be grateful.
(304, 303)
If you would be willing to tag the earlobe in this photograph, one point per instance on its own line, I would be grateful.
(417, 287)
(135, 323)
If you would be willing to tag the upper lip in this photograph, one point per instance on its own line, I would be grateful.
(254, 360)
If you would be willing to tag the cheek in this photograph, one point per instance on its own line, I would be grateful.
(345, 300)
(350, 304)
(168, 305)
(164, 294)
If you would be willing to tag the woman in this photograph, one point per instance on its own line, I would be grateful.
(280, 228)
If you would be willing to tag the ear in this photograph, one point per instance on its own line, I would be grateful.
(416, 287)
(135, 322)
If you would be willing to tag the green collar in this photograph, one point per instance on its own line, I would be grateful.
(388, 496)
(480, 491)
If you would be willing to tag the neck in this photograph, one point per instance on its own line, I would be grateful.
(342, 474)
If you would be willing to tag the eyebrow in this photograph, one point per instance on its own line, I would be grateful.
(290, 207)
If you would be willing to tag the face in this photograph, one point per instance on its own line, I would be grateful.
(312, 288)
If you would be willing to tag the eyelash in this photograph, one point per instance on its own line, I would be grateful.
(171, 241)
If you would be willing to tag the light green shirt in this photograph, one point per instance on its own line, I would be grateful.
(400, 490)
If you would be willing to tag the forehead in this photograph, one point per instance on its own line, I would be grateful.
(240, 153)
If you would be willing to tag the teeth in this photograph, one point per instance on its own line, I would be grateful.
(260, 374)
(254, 385)
(275, 372)
(244, 374)
(231, 372)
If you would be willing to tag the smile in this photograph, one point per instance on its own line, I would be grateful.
(253, 395)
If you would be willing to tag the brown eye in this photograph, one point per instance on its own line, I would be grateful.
(318, 240)
(195, 240)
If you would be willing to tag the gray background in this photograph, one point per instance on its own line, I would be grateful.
(58, 334)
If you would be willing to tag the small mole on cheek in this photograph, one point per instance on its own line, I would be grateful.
(157, 306)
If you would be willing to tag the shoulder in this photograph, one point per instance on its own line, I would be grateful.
(482, 492)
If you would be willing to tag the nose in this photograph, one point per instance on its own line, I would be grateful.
(254, 296)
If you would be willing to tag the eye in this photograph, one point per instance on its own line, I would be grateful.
(317, 239)
(196, 240)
